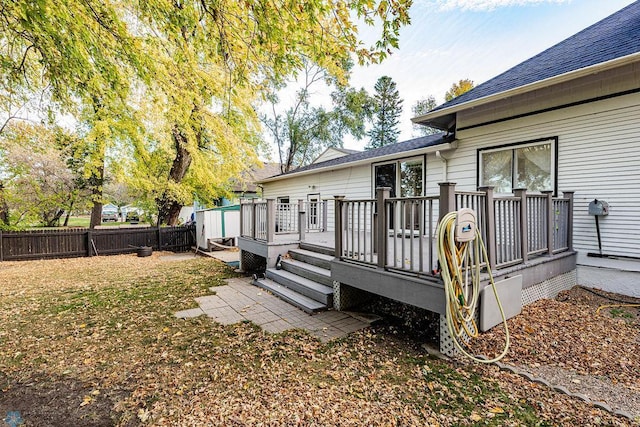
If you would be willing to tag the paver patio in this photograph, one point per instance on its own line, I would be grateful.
(240, 301)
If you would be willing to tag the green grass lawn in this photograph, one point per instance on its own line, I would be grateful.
(83, 221)
(94, 341)
(79, 221)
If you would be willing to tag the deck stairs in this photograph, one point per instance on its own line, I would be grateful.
(304, 279)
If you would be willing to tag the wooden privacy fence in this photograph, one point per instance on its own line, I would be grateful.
(81, 242)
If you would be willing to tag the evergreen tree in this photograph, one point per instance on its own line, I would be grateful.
(387, 109)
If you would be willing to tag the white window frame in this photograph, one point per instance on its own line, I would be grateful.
(553, 141)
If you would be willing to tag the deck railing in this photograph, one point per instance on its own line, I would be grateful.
(317, 214)
(401, 236)
(253, 219)
(412, 224)
(508, 225)
(359, 236)
(562, 224)
(287, 218)
(264, 219)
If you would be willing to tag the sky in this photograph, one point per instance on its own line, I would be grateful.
(450, 40)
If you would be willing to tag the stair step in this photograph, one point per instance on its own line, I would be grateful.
(308, 271)
(325, 250)
(313, 258)
(292, 297)
(302, 285)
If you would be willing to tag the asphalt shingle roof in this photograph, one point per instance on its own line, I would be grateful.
(614, 37)
(400, 147)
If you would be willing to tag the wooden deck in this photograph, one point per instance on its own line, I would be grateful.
(318, 238)
(529, 234)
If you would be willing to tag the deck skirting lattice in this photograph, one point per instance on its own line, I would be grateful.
(549, 288)
(447, 347)
(345, 296)
(251, 262)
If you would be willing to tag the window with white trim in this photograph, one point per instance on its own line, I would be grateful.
(527, 165)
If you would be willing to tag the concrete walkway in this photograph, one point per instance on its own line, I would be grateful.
(240, 301)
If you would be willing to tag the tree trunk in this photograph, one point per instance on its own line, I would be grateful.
(96, 183)
(4, 208)
(168, 207)
(54, 221)
(96, 196)
(66, 217)
(96, 180)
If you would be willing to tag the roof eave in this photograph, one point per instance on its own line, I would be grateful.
(561, 78)
(415, 152)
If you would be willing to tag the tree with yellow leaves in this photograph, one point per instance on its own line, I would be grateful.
(176, 83)
(457, 89)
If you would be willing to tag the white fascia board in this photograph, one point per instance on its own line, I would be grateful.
(561, 78)
(411, 153)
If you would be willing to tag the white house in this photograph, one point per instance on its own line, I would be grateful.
(567, 118)
(528, 150)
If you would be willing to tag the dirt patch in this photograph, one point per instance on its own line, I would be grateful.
(59, 401)
(610, 304)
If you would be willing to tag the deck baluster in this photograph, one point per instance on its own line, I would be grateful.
(490, 225)
(521, 193)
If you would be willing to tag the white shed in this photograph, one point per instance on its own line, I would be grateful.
(219, 225)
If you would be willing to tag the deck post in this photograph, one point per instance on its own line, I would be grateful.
(567, 195)
(325, 215)
(338, 225)
(490, 226)
(524, 223)
(447, 198)
(270, 220)
(382, 194)
(302, 220)
(550, 220)
(241, 220)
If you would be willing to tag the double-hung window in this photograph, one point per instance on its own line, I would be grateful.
(530, 165)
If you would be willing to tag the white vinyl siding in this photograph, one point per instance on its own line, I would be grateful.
(329, 154)
(353, 183)
(598, 158)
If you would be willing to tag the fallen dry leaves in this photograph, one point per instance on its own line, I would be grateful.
(93, 341)
(569, 334)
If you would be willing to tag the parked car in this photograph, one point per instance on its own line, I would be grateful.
(109, 215)
(133, 216)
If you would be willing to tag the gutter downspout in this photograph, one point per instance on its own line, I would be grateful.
(444, 165)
